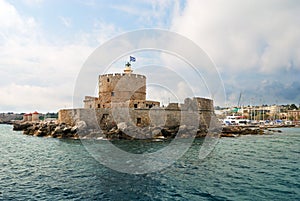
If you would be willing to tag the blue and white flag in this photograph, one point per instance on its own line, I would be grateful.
(132, 59)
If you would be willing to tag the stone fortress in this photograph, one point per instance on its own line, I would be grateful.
(122, 90)
(121, 109)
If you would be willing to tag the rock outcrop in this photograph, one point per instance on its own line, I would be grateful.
(120, 131)
(46, 129)
(236, 131)
(126, 131)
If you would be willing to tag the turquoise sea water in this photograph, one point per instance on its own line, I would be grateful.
(244, 168)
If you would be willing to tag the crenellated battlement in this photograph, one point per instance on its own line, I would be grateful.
(111, 75)
(119, 88)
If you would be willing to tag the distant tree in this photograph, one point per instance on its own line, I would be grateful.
(293, 107)
(19, 117)
(217, 108)
(51, 115)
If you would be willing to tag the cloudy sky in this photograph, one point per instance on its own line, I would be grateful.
(254, 44)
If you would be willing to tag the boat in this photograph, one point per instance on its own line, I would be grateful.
(236, 120)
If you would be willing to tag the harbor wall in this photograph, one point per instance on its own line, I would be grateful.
(195, 112)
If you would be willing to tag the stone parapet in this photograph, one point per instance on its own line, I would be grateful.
(171, 116)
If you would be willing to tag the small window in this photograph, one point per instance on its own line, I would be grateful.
(90, 106)
(138, 120)
(107, 79)
(135, 105)
(98, 105)
(112, 93)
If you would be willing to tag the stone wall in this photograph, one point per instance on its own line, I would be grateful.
(91, 102)
(121, 87)
(143, 104)
(171, 116)
(66, 116)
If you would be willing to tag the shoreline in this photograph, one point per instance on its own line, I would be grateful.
(119, 132)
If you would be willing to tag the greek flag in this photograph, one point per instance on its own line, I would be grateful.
(132, 59)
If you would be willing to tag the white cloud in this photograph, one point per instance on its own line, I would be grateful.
(150, 13)
(243, 38)
(37, 74)
(248, 40)
(28, 98)
(104, 31)
(46, 72)
(66, 21)
(10, 19)
(238, 35)
(33, 2)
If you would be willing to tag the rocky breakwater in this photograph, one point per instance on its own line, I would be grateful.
(126, 131)
(130, 132)
(47, 129)
(109, 131)
(236, 131)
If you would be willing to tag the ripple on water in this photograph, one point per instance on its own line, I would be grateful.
(245, 168)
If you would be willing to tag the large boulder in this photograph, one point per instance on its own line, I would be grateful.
(74, 129)
(40, 133)
(57, 130)
(80, 125)
(21, 126)
(156, 132)
(122, 126)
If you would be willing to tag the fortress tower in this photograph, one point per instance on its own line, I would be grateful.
(118, 88)
(124, 90)
(122, 98)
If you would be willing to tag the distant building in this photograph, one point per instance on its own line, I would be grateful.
(25, 118)
(31, 116)
(35, 116)
(293, 115)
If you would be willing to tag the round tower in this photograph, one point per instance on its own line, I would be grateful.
(119, 88)
(35, 116)
(25, 117)
(29, 117)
